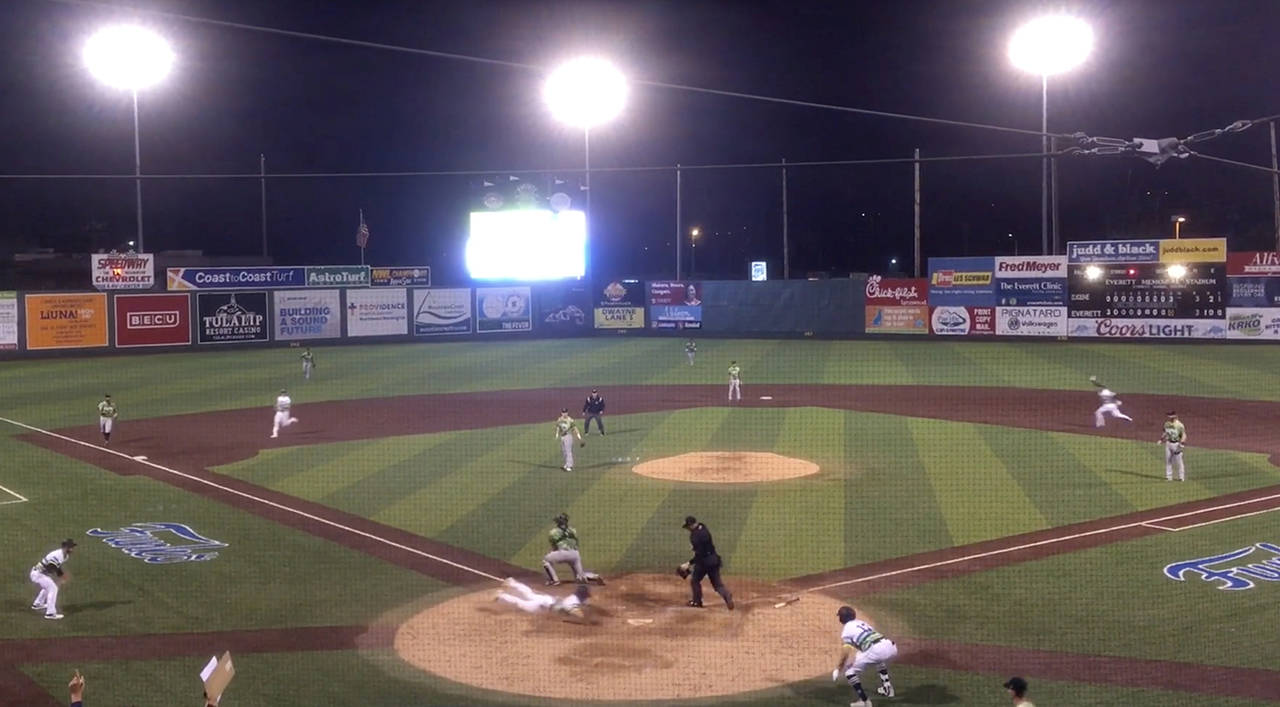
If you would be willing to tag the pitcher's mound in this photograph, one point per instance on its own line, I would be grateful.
(645, 643)
(726, 467)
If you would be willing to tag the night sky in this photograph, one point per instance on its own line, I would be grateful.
(1161, 68)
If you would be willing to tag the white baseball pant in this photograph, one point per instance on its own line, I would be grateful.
(105, 424)
(48, 596)
(1112, 409)
(566, 447)
(525, 598)
(1173, 458)
(880, 654)
(282, 419)
(735, 386)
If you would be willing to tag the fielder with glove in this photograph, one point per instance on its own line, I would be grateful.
(1174, 439)
(566, 431)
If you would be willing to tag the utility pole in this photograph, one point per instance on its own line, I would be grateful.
(679, 228)
(916, 208)
(262, 185)
(786, 245)
(1275, 184)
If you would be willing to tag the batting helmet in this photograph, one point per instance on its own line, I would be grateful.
(846, 614)
(562, 519)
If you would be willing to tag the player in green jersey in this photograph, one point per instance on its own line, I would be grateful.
(308, 363)
(735, 380)
(107, 412)
(564, 549)
(690, 350)
(1174, 439)
(566, 431)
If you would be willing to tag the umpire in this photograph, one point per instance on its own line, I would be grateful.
(593, 409)
(705, 563)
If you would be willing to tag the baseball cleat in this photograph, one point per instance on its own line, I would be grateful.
(53, 617)
(886, 690)
(37, 607)
(553, 582)
(860, 703)
(695, 604)
(729, 603)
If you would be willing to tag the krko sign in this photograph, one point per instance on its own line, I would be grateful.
(123, 272)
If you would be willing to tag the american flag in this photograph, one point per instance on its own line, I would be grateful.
(362, 233)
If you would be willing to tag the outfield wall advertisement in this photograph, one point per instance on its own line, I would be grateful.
(152, 320)
(963, 321)
(439, 311)
(1253, 323)
(1148, 328)
(114, 271)
(962, 282)
(307, 314)
(8, 321)
(896, 305)
(1130, 251)
(272, 277)
(564, 309)
(1031, 321)
(377, 312)
(66, 321)
(1254, 264)
(502, 309)
(231, 317)
(675, 305)
(417, 276)
(1031, 281)
(620, 305)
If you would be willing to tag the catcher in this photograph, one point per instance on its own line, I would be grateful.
(566, 431)
(1174, 439)
(705, 563)
(564, 548)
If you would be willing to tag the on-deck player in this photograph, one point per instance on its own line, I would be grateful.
(48, 574)
(564, 548)
(1174, 439)
(735, 380)
(871, 647)
(522, 597)
(283, 416)
(107, 412)
(566, 431)
(690, 350)
(1110, 405)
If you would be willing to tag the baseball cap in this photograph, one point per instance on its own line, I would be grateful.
(1171, 414)
(1018, 685)
(689, 521)
(68, 543)
(594, 390)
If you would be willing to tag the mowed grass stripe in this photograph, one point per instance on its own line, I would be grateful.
(1063, 486)
(291, 469)
(401, 464)
(1015, 364)
(978, 497)
(886, 487)
(780, 537)
(872, 362)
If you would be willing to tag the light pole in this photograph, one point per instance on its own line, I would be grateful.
(1047, 46)
(1015, 244)
(693, 247)
(584, 93)
(132, 58)
(1177, 225)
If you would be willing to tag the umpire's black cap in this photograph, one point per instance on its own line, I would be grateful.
(1018, 685)
(689, 522)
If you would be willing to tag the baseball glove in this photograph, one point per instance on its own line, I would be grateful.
(684, 570)
(583, 443)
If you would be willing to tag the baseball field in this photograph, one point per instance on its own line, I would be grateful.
(958, 495)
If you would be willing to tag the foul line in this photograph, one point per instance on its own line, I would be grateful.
(1110, 529)
(15, 494)
(250, 496)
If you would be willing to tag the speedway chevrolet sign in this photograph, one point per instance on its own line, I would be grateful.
(113, 271)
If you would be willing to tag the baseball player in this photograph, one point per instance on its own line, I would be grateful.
(107, 412)
(735, 380)
(283, 417)
(690, 349)
(564, 548)
(48, 574)
(871, 648)
(529, 601)
(706, 562)
(566, 431)
(1110, 405)
(1174, 439)
(308, 363)
(593, 409)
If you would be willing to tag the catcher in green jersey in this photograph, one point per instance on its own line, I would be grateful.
(107, 412)
(566, 431)
(1174, 439)
(564, 549)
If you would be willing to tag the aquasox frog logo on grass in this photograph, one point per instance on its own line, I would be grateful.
(160, 543)
(1233, 578)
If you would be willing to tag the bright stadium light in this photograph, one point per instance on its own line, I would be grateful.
(1177, 272)
(1093, 272)
(128, 57)
(585, 92)
(132, 58)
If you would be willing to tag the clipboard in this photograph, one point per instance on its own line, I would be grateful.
(216, 676)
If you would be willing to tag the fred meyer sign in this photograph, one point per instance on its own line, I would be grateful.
(123, 272)
(1142, 251)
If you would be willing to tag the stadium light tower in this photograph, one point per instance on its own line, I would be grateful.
(1048, 46)
(132, 58)
(586, 92)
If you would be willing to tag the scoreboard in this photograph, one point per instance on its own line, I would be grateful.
(1147, 291)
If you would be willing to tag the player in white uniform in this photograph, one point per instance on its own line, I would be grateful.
(566, 431)
(529, 601)
(735, 380)
(283, 416)
(48, 574)
(870, 648)
(1110, 405)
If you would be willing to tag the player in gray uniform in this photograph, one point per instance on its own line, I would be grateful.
(564, 549)
(690, 350)
(566, 431)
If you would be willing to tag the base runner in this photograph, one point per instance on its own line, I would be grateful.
(522, 597)
(564, 549)
(1174, 439)
(869, 648)
(107, 412)
(284, 417)
(566, 431)
(1110, 405)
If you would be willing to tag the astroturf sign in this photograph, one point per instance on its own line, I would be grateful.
(338, 276)
(154, 543)
(1235, 577)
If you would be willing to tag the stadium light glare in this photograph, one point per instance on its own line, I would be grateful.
(128, 57)
(1051, 45)
(1177, 272)
(585, 92)
(1093, 272)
